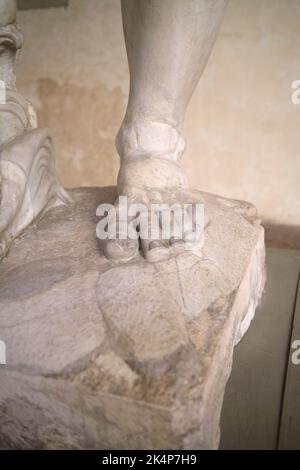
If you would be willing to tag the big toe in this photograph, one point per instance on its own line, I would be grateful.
(155, 250)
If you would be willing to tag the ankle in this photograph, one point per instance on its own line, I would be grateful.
(147, 138)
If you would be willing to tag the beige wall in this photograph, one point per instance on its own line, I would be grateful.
(242, 129)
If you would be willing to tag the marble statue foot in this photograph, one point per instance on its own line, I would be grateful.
(28, 183)
(149, 181)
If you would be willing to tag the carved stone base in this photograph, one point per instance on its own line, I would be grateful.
(125, 356)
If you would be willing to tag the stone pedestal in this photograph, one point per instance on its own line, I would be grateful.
(122, 356)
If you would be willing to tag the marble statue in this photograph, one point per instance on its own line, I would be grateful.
(27, 176)
(131, 350)
(168, 44)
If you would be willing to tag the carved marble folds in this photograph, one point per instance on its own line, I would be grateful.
(28, 183)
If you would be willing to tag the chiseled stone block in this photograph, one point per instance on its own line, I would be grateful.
(122, 356)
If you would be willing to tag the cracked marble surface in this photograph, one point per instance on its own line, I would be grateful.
(135, 355)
